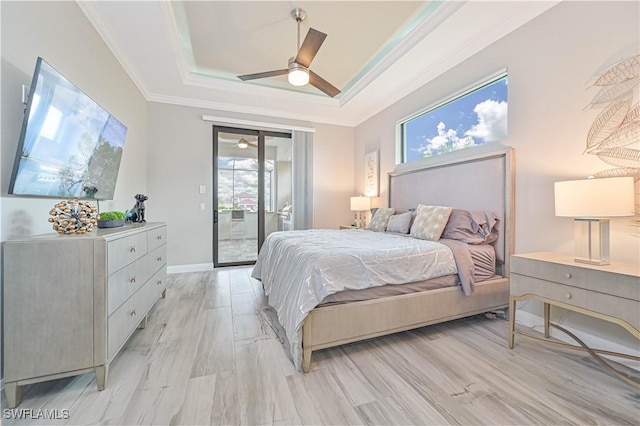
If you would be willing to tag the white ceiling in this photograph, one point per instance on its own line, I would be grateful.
(376, 52)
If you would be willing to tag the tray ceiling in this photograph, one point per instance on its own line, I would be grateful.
(190, 53)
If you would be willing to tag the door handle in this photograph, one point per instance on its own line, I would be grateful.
(215, 216)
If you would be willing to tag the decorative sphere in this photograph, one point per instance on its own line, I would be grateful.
(73, 217)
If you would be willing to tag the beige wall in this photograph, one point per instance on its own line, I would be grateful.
(60, 33)
(333, 175)
(180, 158)
(549, 61)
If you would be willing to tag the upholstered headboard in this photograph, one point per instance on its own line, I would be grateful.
(473, 180)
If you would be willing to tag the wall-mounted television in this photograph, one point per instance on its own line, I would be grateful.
(69, 145)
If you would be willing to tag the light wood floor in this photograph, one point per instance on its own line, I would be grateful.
(211, 355)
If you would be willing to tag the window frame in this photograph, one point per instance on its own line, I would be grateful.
(401, 149)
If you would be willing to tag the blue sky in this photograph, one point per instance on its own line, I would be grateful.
(473, 118)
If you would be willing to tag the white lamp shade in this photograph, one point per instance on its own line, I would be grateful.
(594, 198)
(359, 204)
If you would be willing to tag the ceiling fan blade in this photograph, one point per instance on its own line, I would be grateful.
(310, 47)
(320, 83)
(262, 75)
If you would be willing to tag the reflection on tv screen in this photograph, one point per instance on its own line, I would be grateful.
(69, 145)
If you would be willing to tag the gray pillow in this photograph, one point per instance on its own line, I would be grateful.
(400, 223)
(471, 227)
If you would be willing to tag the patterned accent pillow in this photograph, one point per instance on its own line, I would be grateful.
(400, 223)
(380, 219)
(430, 222)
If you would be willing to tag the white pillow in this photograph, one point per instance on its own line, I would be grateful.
(400, 223)
(430, 222)
(380, 219)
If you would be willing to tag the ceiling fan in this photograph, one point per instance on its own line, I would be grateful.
(298, 70)
(244, 143)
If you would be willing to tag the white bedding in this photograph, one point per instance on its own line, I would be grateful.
(300, 268)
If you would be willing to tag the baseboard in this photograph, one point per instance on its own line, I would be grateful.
(537, 323)
(196, 267)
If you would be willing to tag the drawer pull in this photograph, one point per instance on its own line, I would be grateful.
(159, 258)
(132, 313)
(132, 249)
(159, 237)
(132, 279)
(567, 295)
(159, 282)
(567, 275)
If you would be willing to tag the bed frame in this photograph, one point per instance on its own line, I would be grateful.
(483, 180)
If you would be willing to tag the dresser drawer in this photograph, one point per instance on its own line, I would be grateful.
(151, 291)
(123, 283)
(156, 237)
(158, 282)
(606, 304)
(121, 323)
(123, 251)
(157, 259)
(127, 317)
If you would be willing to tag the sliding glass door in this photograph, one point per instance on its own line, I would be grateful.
(252, 191)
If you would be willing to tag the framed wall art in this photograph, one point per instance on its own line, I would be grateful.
(372, 174)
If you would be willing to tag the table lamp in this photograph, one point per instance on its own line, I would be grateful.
(590, 202)
(360, 204)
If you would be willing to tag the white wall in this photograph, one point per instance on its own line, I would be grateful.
(180, 159)
(60, 33)
(549, 61)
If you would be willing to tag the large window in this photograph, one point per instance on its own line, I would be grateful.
(238, 185)
(475, 117)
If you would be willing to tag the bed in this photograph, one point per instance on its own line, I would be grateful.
(332, 313)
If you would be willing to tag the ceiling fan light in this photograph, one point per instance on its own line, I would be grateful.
(243, 144)
(298, 76)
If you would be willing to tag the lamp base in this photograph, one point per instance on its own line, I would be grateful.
(592, 241)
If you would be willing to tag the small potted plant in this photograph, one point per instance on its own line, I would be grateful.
(111, 219)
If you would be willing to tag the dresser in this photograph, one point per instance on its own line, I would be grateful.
(71, 302)
(610, 293)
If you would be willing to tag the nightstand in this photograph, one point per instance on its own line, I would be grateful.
(610, 293)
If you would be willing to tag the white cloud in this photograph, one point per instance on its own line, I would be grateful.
(492, 121)
(446, 138)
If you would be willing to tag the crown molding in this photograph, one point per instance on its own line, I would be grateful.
(95, 18)
(180, 43)
(469, 48)
(434, 14)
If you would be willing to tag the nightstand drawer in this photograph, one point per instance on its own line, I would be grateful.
(606, 304)
(585, 277)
